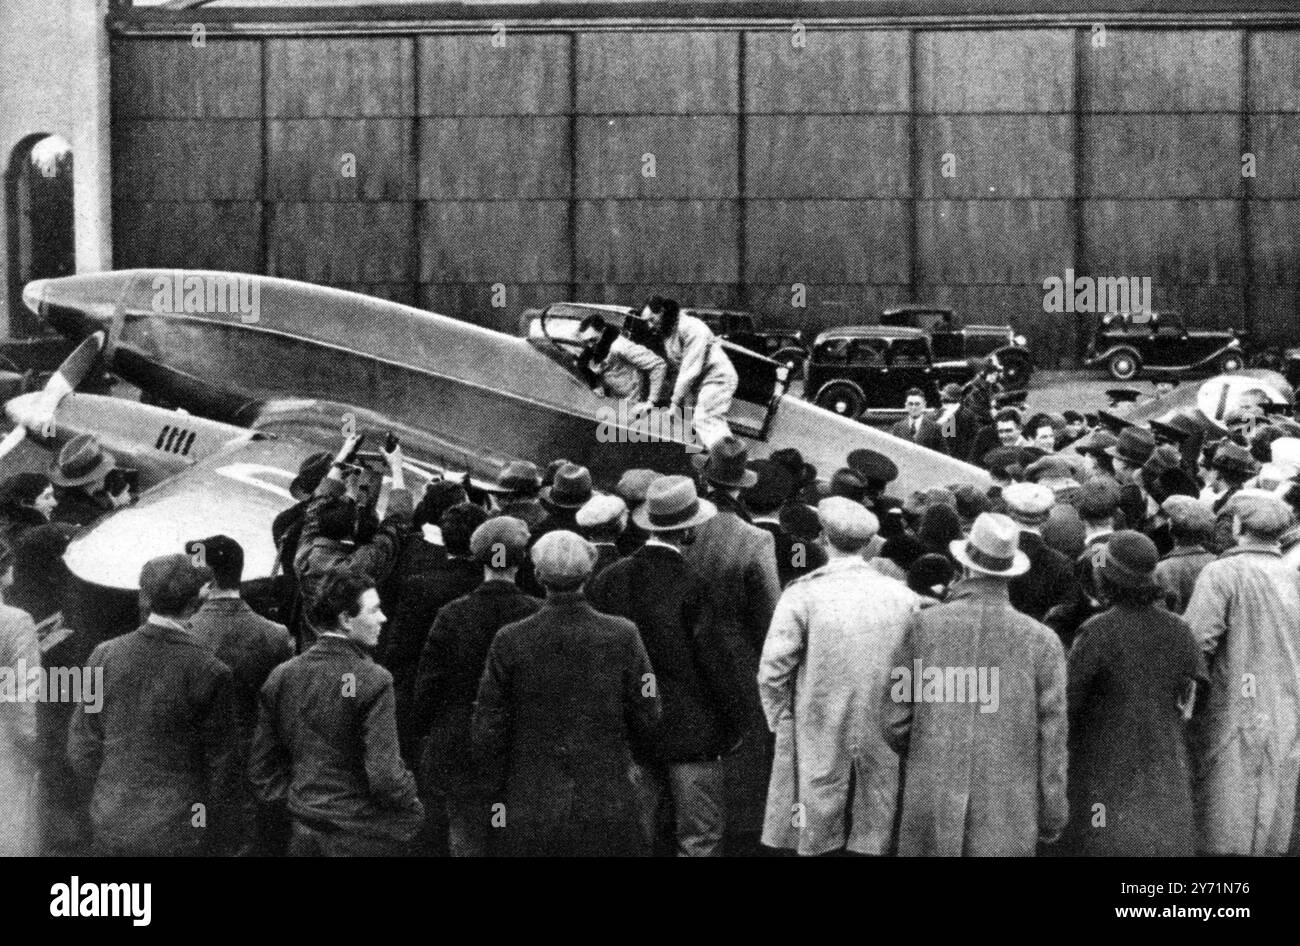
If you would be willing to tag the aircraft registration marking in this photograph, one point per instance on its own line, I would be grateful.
(248, 474)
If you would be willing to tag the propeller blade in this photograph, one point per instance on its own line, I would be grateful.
(74, 368)
(12, 439)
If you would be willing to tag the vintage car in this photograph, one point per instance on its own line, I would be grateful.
(951, 341)
(786, 346)
(859, 369)
(1129, 342)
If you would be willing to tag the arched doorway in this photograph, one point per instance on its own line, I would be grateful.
(38, 216)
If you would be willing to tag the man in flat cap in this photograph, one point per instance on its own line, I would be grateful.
(824, 666)
(985, 762)
(453, 788)
(703, 696)
(566, 701)
(1191, 525)
(160, 742)
(1050, 579)
(602, 520)
(1245, 612)
(632, 487)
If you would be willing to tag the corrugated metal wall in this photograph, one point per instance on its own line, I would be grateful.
(774, 164)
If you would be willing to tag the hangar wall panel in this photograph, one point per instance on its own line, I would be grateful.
(517, 167)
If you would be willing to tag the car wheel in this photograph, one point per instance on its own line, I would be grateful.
(793, 359)
(841, 398)
(1231, 362)
(1123, 365)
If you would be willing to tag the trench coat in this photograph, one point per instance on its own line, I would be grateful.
(19, 826)
(1245, 613)
(982, 783)
(562, 708)
(825, 663)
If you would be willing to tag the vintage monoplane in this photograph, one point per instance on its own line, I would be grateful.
(243, 376)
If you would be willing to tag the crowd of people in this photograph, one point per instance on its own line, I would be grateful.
(1100, 654)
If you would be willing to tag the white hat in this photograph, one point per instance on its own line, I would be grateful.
(993, 547)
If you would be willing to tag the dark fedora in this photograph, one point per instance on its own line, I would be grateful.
(794, 463)
(1135, 446)
(874, 466)
(772, 488)
(518, 477)
(571, 489)
(727, 464)
(82, 460)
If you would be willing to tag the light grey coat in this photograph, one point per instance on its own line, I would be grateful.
(1245, 612)
(825, 663)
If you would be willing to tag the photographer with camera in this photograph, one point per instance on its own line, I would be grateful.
(330, 538)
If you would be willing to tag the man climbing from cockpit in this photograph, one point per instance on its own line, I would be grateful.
(703, 368)
(618, 367)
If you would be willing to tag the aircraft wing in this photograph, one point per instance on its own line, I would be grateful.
(237, 492)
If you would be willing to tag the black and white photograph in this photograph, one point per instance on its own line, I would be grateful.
(858, 429)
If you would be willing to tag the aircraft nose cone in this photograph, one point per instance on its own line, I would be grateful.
(34, 295)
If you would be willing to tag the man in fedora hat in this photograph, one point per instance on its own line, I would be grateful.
(725, 471)
(765, 500)
(568, 492)
(516, 492)
(1245, 612)
(703, 696)
(1133, 448)
(738, 562)
(825, 663)
(567, 699)
(79, 475)
(1231, 468)
(446, 684)
(1133, 673)
(986, 764)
